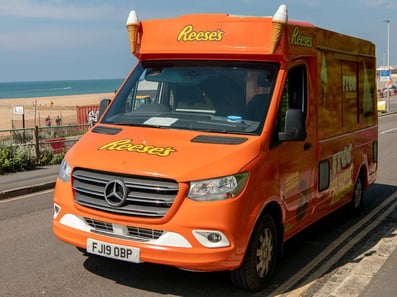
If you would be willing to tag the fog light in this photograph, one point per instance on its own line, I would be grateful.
(214, 237)
(57, 209)
(211, 239)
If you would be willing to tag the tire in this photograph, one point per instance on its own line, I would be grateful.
(81, 250)
(259, 262)
(357, 196)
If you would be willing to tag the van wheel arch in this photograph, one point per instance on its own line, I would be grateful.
(263, 251)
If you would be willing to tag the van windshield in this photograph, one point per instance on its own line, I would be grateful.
(213, 96)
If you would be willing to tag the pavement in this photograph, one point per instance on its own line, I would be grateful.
(26, 182)
(383, 283)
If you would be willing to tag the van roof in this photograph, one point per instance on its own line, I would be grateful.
(224, 36)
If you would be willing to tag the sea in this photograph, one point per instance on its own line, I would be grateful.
(32, 89)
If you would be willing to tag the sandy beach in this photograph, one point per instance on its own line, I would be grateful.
(36, 110)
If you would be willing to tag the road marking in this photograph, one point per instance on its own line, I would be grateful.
(388, 131)
(351, 278)
(355, 234)
(25, 196)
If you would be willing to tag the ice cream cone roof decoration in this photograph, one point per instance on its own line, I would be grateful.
(132, 18)
(281, 14)
(133, 27)
(279, 20)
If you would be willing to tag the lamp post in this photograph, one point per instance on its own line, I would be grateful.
(388, 62)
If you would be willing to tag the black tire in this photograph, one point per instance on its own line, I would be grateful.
(82, 250)
(357, 196)
(259, 262)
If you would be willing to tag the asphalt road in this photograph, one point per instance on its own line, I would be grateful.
(35, 263)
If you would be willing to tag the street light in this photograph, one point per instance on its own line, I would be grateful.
(388, 61)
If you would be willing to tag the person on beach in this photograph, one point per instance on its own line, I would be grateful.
(48, 122)
(58, 120)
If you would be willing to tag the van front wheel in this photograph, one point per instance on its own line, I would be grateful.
(260, 260)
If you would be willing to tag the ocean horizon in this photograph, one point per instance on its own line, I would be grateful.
(32, 89)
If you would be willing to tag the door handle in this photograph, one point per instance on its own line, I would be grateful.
(307, 146)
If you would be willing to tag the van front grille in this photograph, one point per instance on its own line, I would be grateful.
(143, 196)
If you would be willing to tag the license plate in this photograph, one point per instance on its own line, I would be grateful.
(113, 251)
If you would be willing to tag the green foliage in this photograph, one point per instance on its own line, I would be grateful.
(20, 158)
(16, 158)
(24, 157)
(47, 157)
(22, 137)
(17, 150)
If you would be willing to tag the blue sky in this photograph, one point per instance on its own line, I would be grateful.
(87, 39)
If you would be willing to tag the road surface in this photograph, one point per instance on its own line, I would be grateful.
(35, 263)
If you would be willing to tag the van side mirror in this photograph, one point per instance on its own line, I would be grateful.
(294, 126)
(102, 106)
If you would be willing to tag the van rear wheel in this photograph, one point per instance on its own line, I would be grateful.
(358, 196)
(258, 265)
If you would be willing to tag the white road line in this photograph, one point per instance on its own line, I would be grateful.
(387, 131)
(354, 232)
(351, 278)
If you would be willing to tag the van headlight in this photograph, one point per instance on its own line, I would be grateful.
(64, 171)
(218, 188)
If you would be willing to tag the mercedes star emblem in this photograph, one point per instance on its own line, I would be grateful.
(115, 193)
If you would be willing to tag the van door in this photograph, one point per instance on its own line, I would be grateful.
(296, 153)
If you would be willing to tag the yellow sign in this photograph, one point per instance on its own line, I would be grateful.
(129, 146)
(188, 34)
(300, 39)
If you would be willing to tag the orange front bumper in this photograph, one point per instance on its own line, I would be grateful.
(178, 246)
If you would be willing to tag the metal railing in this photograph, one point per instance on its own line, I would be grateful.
(56, 138)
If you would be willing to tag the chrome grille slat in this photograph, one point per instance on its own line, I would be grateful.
(134, 233)
(150, 187)
(88, 189)
(99, 225)
(146, 197)
(137, 211)
(144, 233)
(153, 197)
(92, 180)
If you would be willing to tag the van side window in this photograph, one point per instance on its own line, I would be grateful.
(294, 95)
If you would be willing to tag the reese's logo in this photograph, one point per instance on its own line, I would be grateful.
(129, 146)
(300, 39)
(189, 34)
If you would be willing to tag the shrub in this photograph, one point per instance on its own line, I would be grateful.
(20, 158)
(24, 158)
(47, 157)
(16, 158)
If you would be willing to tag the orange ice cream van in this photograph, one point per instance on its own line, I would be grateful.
(229, 136)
